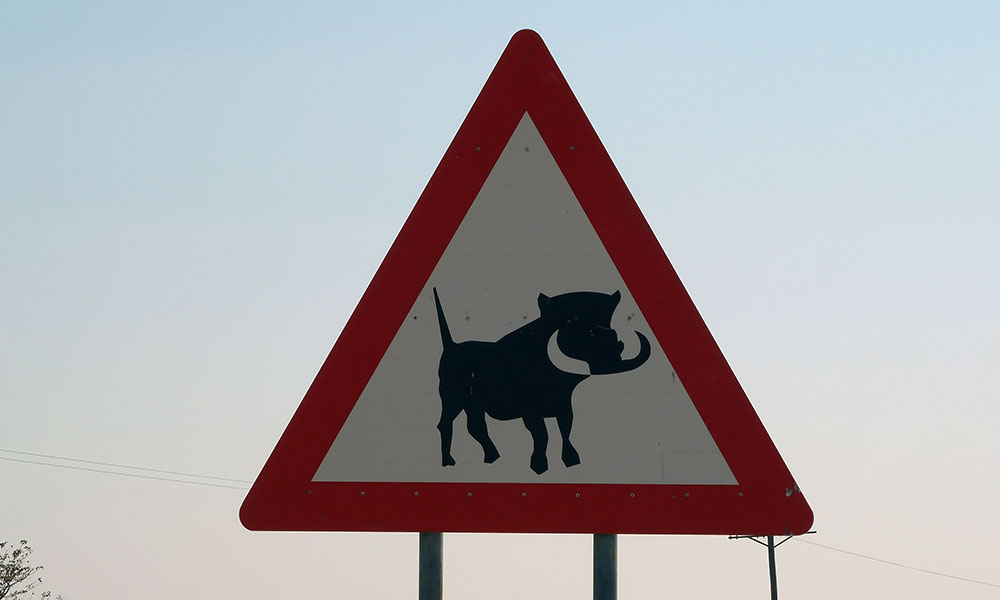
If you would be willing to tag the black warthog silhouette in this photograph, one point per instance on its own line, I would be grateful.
(514, 377)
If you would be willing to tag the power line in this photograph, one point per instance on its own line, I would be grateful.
(120, 466)
(901, 565)
(137, 475)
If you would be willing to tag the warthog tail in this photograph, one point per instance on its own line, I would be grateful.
(445, 333)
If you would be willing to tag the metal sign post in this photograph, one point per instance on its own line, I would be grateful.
(431, 546)
(605, 566)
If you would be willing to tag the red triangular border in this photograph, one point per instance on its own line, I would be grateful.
(766, 499)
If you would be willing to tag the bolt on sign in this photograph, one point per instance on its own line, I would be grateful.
(526, 359)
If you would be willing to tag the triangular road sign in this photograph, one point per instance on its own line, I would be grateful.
(480, 384)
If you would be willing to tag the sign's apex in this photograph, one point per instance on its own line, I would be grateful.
(526, 34)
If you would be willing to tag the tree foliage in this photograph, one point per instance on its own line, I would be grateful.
(17, 576)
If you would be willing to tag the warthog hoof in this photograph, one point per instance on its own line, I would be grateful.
(539, 464)
(570, 457)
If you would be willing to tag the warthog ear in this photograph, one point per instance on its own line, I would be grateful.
(616, 298)
(542, 301)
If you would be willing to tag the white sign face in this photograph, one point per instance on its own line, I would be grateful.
(524, 235)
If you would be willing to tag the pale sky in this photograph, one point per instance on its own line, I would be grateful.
(194, 196)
